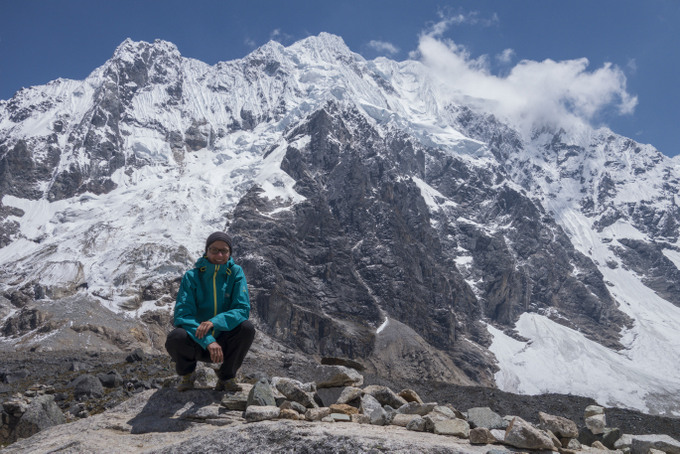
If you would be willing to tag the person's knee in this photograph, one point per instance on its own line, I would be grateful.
(248, 330)
(175, 338)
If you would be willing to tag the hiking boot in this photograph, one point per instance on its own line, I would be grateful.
(187, 382)
(229, 385)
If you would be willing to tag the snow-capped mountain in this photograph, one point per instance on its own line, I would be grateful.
(375, 217)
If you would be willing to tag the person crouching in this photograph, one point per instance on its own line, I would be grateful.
(211, 317)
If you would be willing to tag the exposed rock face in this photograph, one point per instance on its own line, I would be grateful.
(661, 274)
(349, 250)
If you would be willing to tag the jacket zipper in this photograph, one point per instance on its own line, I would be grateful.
(215, 294)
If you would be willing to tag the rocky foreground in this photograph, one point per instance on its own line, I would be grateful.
(62, 402)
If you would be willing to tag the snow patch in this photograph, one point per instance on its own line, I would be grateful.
(434, 199)
(557, 359)
(383, 326)
(673, 256)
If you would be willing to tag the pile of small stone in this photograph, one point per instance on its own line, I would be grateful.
(27, 414)
(337, 396)
(334, 393)
(80, 394)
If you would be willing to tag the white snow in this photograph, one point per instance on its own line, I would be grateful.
(673, 256)
(434, 199)
(383, 326)
(557, 359)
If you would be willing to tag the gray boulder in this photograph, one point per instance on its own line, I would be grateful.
(592, 410)
(596, 423)
(332, 361)
(432, 418)
(560, 426)
(643, 443)
(332, 376)
(237, 401)
(521, 434)
(415, 408)
(498, 434)
(385, 396)
(261, 395)
(450, 412)
(317, 414)
(410, 395)
(340, 417)
(369, 404)
(330, 396)
(87, 386)
(77, 366)
(455, 427)
(379, 417)
(417, 425)
(256, 413)
(349, 395)
(610, 437)
(624, 442)
(485, 417)
(111, 380)
(295, 406)
(42, 412)
(402, 420)
(295, 391)
(482, 436)
(137, 355)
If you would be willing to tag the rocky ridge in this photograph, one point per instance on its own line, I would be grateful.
(336, 410)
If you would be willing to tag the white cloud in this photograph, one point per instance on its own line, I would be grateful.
(506, 56)
(532, 93)
(278, 35)
(383, 46)
(470, 18)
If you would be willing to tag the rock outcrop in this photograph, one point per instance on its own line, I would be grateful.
(282, 414)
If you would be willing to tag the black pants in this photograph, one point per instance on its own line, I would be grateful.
(185, 352)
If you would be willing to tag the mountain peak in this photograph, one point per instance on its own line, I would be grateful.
(129, 50)
(326, 46)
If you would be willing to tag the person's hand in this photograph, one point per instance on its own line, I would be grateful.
(203, 329)
(216, 355)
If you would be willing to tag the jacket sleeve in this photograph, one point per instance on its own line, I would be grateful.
(238, 309)
(186, 309)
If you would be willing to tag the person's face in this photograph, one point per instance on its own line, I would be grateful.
(218, 253)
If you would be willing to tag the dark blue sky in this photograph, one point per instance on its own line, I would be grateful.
(42, 40)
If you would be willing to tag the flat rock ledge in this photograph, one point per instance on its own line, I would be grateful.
(166, 421)
(336, 414)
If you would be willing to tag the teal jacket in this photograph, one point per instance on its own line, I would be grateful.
(218, 293)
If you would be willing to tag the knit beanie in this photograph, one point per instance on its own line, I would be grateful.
(218, 236)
